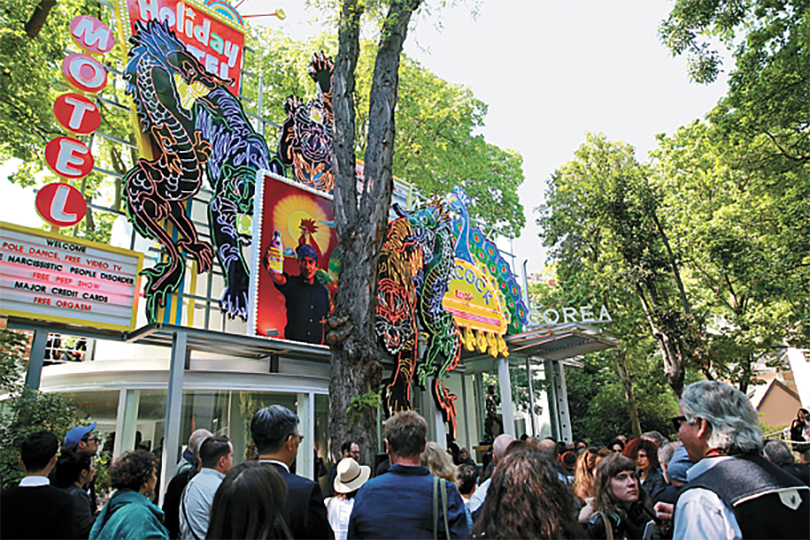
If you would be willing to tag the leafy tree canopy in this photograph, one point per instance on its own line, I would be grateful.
(436, 146)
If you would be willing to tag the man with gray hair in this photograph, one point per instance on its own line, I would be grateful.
(779, 454)
(186, 470)
(732, 492)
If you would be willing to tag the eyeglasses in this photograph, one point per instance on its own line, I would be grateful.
(677, 421)
(91, 439)
(300, 437)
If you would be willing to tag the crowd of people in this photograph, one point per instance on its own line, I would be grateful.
(720, 480)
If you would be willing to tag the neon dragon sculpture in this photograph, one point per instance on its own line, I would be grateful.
(306, 134)
(414, 270)
(196, 125)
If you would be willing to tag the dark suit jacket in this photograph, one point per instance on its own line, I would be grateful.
(304, 511)
(36, 512)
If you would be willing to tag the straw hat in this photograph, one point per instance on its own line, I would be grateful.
(350, 475)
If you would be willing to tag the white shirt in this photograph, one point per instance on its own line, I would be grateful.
(195, 504)
(701, 514)
(286, 467)
(479, 496)
(34, 481)
(339, 511)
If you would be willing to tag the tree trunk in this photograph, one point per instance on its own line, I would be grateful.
(361, 224)
(38, 18)
(627, 384)
(673, 361)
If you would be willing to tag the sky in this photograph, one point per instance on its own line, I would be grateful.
(550, 72)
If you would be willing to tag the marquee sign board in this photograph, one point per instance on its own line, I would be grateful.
(58, 278)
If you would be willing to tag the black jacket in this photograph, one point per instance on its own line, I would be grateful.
(36, 512)
(304, 512)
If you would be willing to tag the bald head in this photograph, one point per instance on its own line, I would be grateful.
(548, 447)
(500, 445)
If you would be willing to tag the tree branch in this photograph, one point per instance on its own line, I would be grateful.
(38, 18)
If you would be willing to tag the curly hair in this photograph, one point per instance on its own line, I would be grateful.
(585, 469)
(609, 468)
(511, 510)
(633, 447)
(132, 470)
(440, 463)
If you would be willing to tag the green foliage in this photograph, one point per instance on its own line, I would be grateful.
(25, 411)
(597, 403)
(741, 233)
(436, 149)
(767, 103)
(362, 404)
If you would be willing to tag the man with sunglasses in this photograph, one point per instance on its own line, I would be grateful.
(84, 439)
(275, 434)
(732, 491)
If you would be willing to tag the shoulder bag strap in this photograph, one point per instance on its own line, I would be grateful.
(444, 508)
(435, 508)
(188, 522)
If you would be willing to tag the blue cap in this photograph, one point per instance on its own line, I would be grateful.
(679, 464)
(76, 434)
(305, 250)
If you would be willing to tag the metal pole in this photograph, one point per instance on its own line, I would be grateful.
(36, 358)
(531, 396)
(174, 405)
(507, 409)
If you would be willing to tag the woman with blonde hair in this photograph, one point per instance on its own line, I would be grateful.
(439, 461)
(584, 476)
(621, 506)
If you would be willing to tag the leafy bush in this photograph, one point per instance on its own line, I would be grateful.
(24, 411)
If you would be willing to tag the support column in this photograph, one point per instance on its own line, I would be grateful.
(125, 438)
(552, 400)
(174, 405)
(304, 457)
(465, 416)
(531, 396)
(36, 358)
(561, 402)
(507, 409)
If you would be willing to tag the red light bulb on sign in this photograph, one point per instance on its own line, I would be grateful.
(76, 113)
(84, 73)
(61, 204)
(69, 158)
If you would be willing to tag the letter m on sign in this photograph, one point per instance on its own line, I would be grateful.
(92, 34)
